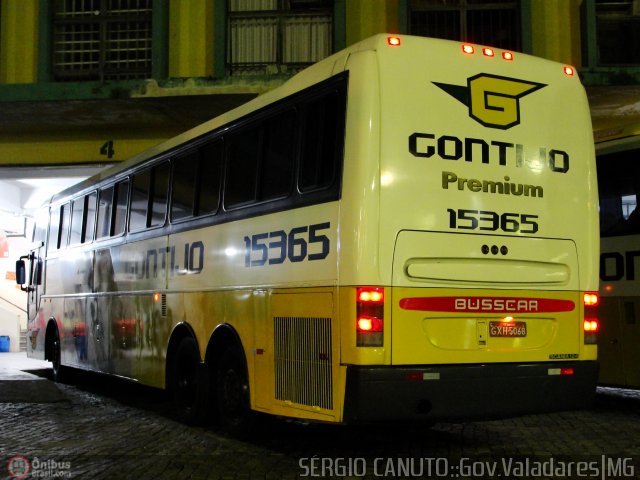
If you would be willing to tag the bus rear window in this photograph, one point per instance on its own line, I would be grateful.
(322, 141)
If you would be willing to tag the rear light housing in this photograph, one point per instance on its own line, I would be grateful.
(591, 324)
(369, 316)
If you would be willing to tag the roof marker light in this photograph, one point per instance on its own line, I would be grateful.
(393, 41)
(488, 52)
(569, 71)
(467, 48)
(507, 55)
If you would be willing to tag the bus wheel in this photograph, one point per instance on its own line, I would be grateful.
(189, 383)
(233, 391)
(55, 355)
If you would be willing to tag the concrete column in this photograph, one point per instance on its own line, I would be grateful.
(556, 30)
(18, 41)
(368, 17)
(191, 32)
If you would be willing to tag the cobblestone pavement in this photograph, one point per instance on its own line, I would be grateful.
(105, 428)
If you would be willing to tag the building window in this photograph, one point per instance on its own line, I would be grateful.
(618, 32)
(487, 22)
(276, 36)
(101, 40)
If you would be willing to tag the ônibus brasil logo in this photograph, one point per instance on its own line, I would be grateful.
(493, 101)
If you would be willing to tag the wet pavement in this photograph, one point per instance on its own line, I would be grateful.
(98, 427)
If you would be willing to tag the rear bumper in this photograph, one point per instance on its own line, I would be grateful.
(456, 392)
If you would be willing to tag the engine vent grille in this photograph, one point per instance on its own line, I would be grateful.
(303, 361)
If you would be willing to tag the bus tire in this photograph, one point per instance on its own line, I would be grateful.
(233, 392)
(189, 387)
(55, 355)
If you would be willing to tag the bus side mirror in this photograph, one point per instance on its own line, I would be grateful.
(21, 273)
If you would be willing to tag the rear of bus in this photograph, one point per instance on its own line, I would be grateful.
(475, 298)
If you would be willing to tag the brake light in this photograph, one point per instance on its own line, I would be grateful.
(591, 299)
(591, 324)
(369, 316)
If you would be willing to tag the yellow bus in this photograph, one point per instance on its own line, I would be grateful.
(404, 231)
(618, 163)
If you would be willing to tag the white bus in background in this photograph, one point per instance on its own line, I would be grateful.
(618, 163)
(406, 230)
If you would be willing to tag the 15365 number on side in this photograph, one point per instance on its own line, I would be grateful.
(296, 245)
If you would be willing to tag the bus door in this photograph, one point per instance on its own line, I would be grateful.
(99, 311)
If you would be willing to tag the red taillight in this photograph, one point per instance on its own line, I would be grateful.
(393, 41)
(507, 55)
(569, 71)
(591, 324)
(591, 299)
(369, 316)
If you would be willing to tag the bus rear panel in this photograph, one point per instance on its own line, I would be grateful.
(484, 206)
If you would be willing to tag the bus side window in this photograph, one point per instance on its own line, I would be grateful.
(104, 212)
(121, 198)
(91, 201)
(65, 220)
(183, 187)
(40, 226)
(149, 198)
(322, 139)
(77, 215)
(139, 200)
(211, 158)
(243, 148)
(159, 194)
(54, 229)
(276, 169)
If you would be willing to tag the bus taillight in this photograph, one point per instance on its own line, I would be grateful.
(591, 324)
(369, 316)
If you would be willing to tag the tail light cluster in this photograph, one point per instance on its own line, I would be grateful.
(369, 316)
(591, 323)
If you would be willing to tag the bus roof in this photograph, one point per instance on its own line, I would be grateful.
(307, 77)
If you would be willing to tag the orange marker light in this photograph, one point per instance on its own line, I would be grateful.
(507, 55)
(466, 48)
(393, 41)
(569, 71)
(488, 52)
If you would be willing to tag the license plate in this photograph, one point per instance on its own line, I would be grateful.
(507, 329)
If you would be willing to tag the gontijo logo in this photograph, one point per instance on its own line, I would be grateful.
(493, 101)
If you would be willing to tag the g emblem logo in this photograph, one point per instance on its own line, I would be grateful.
(493, 101)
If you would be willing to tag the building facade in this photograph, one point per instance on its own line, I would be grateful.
(85, 81)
